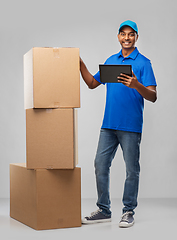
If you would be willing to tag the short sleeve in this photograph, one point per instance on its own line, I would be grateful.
(147, 75)
(97, 77)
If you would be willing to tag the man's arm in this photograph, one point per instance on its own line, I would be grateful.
(149, 93)
(87, 76)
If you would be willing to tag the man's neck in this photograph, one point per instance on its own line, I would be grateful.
(127, 52)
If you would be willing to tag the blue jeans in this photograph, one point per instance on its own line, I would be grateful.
(107, 146)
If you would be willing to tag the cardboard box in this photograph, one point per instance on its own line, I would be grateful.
(51, 138)
(45, 199)
(52, 78)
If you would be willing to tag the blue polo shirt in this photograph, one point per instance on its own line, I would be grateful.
(124, 105)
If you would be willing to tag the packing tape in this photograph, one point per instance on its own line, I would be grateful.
(56, 104)
(56, 52)
(49, 167)
(48, 110)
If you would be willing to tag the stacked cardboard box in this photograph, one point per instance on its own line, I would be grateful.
(45, 192)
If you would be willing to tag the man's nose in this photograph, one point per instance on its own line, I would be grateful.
(126, 36)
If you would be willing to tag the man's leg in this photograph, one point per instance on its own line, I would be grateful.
(106, 150)
(130, 144)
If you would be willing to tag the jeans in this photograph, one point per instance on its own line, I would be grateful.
(109, 141)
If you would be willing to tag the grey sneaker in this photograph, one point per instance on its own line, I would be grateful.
(127, 220)
(96, 217)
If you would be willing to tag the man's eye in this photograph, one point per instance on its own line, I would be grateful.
(132, 34)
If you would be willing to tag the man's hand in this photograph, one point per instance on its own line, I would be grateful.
(128, 81)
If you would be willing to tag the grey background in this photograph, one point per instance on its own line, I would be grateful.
(92, 27)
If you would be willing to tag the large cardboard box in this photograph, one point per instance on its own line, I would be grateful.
(51, 138)
(45, 199)
(52, 78)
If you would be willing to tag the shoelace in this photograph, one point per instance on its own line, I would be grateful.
(95, 213)
(125, 216)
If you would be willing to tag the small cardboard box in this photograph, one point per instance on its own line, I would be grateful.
(52, 78)
(51, 138)
(45, 199)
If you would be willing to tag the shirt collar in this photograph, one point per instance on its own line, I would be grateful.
(133, 55)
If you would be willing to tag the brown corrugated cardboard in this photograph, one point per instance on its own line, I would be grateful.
(51, 138)
(52, 78)
(45, 199)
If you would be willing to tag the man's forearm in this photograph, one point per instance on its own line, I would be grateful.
(87, 76)
(149, 93)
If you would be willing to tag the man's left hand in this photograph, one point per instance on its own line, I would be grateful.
(129, 81)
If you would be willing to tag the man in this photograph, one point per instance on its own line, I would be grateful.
(122, 123)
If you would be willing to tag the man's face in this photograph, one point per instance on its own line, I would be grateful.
(127, 37)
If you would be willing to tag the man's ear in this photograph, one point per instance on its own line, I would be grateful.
(118, 37)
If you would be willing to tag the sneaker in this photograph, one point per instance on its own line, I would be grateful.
(127, 220)
(96, 217)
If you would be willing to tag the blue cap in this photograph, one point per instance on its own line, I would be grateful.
(130, 24)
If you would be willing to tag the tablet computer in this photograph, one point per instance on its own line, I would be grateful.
(109, 73)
